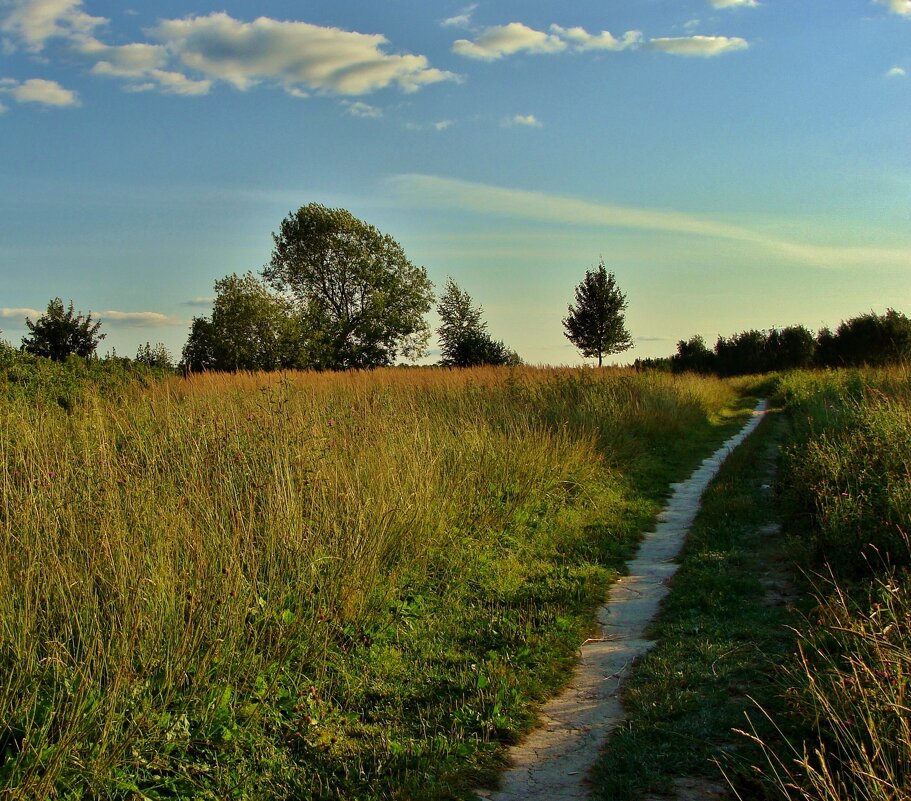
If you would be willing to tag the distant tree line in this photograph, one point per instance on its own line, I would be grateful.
(868, 339)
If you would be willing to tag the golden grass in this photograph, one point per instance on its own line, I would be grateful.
(192, 535)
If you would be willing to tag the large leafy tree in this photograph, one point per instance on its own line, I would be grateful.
(251, 328)
(595, 323)
(361, 301)
(464, 340)
(60, 332)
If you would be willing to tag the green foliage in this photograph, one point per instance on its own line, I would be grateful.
(361, 301)
(869, 339)
(595, 324)
(463, 333)
(251, 328)
(60, 332)
(154, 356)
(693, 356)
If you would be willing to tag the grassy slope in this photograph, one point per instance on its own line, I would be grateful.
(348, 586)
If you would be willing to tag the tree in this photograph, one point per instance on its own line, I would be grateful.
(361, 301)
(595, 324)
(464, 340)
(153, 356)
(874, 339)
(251, 329)
(693, 356)
(60, 332)
(790, 348)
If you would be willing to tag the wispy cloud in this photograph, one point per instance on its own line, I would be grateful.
(201, 302)
(699, 46)
(540, 207)
(896, 72)
(139, 319)
(901, 7)
(523, 120)
(506, 40)
(359, 108)
(500, 41)
(19, 314)
(460, 20)
(734, 3)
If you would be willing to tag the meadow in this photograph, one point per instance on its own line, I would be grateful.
(845, 491)
(307, 585)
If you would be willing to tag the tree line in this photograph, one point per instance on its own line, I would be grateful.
(865, 340)
(338, 294)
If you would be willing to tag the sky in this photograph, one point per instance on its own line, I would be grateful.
(736, 163)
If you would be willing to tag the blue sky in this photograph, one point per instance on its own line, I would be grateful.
(736, 163)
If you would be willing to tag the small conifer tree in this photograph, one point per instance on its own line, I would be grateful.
(595, 323)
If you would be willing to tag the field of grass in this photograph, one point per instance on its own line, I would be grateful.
(846, 491)
(312, 586)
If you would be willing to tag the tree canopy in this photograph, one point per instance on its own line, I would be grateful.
(360, 300)
(60, 332)
(595, 323)
(464, 340)
(250, 328)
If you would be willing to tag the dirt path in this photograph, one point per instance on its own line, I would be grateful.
(553, 761)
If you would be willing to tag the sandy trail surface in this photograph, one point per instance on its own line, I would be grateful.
(554, 760)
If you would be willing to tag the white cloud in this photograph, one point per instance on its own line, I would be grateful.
(3, 109)
(442, 125)
(896, 72)
(141, 319)
(524, 120)
(506, 40)
(539, 207)
(38, 90)
(201, 302)
(734, 3)
(294, 54)
(33, 22)
(901, 7)
(21, 314)
(700, 46)
(581, 39)
(364, 110)
(460, 20)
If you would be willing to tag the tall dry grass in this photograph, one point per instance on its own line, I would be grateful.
(167, 556)
(847, 489)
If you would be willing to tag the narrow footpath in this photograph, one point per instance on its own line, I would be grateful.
(554, 760)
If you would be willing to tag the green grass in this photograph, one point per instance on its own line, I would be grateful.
(719, 641)
(845, 731)
(312, 586)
